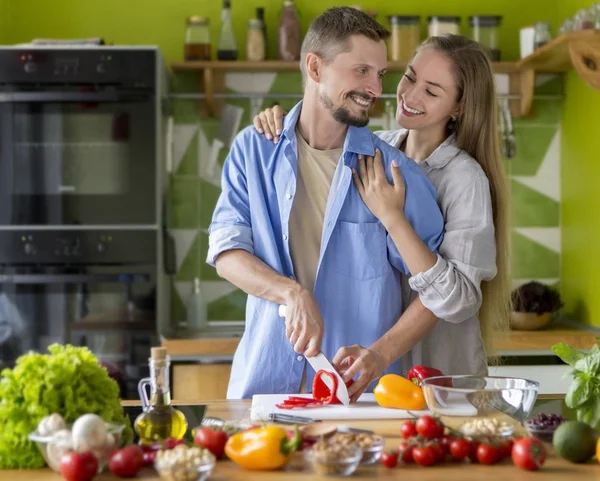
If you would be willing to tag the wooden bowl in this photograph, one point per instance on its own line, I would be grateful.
(529, 321)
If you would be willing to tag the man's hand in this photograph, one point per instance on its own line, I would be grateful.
(303, 323)
(350, 360)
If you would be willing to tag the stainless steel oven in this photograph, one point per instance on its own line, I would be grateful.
(78, 136)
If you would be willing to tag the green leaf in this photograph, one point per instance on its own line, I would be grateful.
(594, 412)
(567, 353)
(580, 391)
(590, 365)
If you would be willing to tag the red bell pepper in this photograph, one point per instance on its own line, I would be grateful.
(418, 373)
(322, 392)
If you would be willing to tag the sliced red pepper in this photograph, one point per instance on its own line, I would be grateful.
(322, 392)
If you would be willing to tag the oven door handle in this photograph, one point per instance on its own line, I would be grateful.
(72, 278)
(7, 97)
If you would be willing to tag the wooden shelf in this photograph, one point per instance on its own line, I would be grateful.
(580, 50)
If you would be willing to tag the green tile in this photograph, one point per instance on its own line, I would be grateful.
(532, 209)
(532, 260)
(191, 266)
(532, 144)
(207, 272)
(178, 312)
(185, 111)
(189, 161)
(390, 82)
(185, 196)
(208, 201)
(210, 128)
(552, 86)
(184, 82)
(285, 83)
(231, 307)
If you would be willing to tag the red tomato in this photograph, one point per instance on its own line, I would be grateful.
(460, 448)
(389, 458)
(487, 454)
(473, 451)
(424, 456)
(406, 452)
(408, 429)
(212, 439)
(126, 462)
(172, 443)
(528, 453)
(78, 466)
(441, 451)
(429, 427)
(149, 457)
(506, 449)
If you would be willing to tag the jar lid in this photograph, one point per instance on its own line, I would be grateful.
(196, 20)
(485, 20)
(443, 19)
(404, 19)
(255, 23)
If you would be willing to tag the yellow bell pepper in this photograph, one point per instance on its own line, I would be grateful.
(393, 391)
(265, 447)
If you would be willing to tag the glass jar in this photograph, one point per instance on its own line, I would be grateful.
(596, 8)
(290, 40)
(542, 34)
(405, 37)
(567, 26)
(584, 19)
(485, 30)
(227, 46)
(197, 39)
(255, 42)
(441, 25)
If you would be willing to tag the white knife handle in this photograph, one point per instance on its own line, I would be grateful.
(282, 311)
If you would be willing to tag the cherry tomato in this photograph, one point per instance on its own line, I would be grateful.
(441, 451)
(126, 462)
(528, 453)
(149, 457)
(408, 429)
(405, 452)
(172, 443)
(424, 455)
(506, 449)
(460, 448)
(473, 451)
(389, 458)
(212, 439)
(487, 454)
(429, 427)
(78, 466)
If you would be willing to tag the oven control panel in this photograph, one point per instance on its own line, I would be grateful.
(77, 247)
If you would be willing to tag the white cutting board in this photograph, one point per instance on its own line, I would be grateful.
(364, 408)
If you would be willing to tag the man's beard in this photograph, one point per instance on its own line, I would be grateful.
(342, 114)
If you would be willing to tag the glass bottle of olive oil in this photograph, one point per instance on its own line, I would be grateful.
(159, 420)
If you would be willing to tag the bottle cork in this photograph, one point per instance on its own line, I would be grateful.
(158, 353)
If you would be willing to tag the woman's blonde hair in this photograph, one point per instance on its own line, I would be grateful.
(477, 134)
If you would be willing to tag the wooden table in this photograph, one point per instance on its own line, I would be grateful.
(555, 468)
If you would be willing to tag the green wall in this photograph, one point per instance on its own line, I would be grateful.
(579, 180)
(163, 22)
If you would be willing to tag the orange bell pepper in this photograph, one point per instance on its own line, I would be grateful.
(266, 447)
(393, 391)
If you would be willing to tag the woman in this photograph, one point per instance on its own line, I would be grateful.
(447, 113)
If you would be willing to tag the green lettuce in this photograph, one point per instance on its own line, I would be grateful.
(584, 391)
(68, 381)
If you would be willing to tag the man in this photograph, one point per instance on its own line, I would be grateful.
(291, 229)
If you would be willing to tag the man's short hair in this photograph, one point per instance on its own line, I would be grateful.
(329, 34)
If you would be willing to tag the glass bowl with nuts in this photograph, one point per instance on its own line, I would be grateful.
(481, 397)
(371, 445)
(332, 457)
(184, 463)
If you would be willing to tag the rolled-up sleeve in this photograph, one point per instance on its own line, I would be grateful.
(231, 226)
(451, 289)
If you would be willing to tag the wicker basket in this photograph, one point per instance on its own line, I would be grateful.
(529, 321)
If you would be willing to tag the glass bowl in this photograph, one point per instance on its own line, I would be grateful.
(54, 446)
(371, 453)
(543, 426)
(330, 464)
(191, 473)
(494, 403)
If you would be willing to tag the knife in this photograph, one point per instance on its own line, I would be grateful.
(319, 362)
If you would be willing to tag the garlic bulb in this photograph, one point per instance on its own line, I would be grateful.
(89, 433)
(51, 424)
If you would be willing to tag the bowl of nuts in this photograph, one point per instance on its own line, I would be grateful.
(542, 426)
(184, 463)
(506, 399)
(371, 444)
(334, 457)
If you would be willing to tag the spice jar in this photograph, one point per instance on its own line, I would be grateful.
(405, 37)
(197, 39)
(441, 25)
(484, 29)
(289, 32)
(584, 19)
(541, 34)
(255, 43)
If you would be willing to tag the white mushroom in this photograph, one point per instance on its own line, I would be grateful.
(51, 424)
(89, 433)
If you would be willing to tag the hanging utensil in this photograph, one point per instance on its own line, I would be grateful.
(511, 144)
